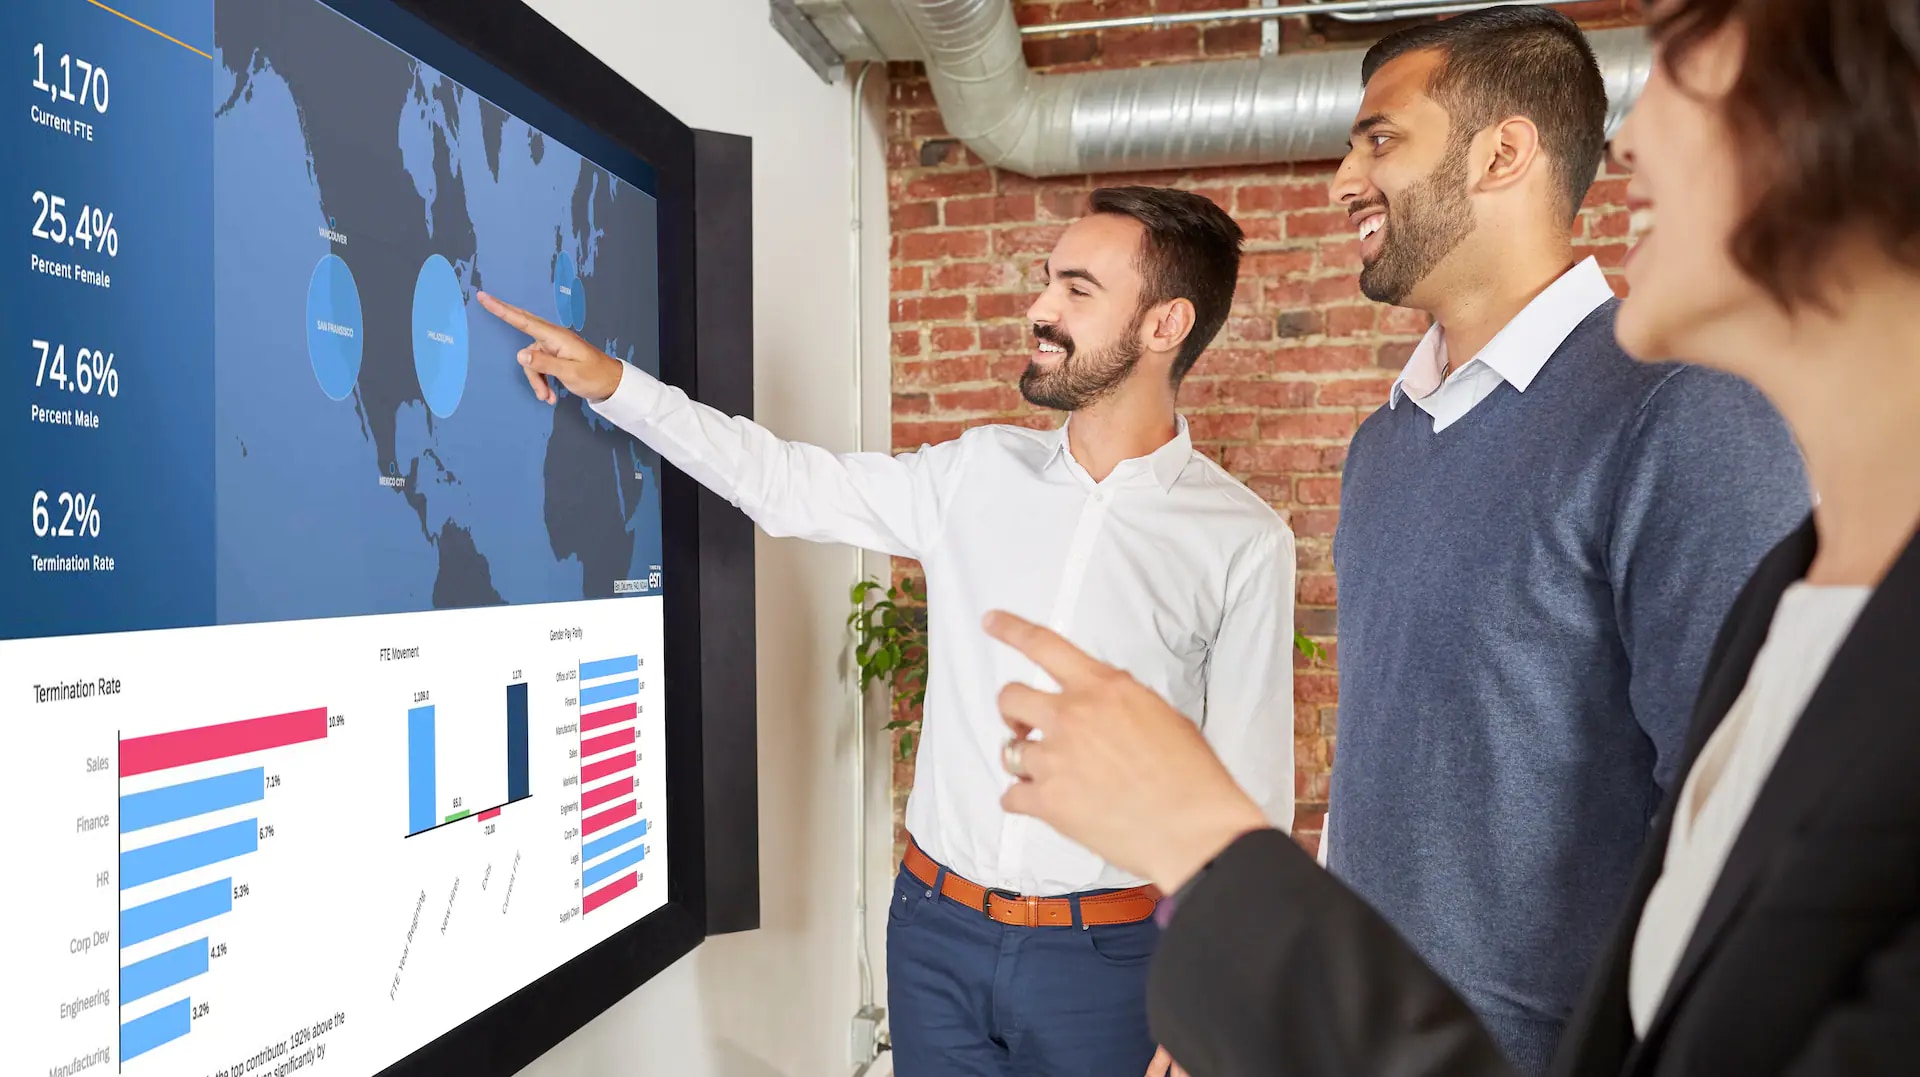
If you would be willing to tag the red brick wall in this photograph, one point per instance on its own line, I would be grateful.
(1303, 358)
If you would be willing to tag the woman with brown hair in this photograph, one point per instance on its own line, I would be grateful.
(1774, 926)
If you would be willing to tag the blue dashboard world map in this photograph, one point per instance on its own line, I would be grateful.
(361, 394)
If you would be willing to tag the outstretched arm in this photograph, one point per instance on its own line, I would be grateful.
(791, 489)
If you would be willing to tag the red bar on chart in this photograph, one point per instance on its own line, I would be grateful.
(488, 814)
(620, 813)
(610, 716)
(164, 751)
(593, 772)
(601, 794)
(619, 738)
(610, 891)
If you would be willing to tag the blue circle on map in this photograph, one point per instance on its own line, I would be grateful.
(439, 336)
(335, 329)
(566, 281)
(579, 305)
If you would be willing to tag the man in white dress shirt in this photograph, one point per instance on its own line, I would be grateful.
(1011, 949)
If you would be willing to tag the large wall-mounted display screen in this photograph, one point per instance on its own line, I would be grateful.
(332, 660)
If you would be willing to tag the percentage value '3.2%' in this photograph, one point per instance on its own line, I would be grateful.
(90, 373)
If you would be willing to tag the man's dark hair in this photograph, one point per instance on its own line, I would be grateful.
(1515, 61)
(1825, 115)
(1191, 251)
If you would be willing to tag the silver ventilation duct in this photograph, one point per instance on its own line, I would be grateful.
(1205, 113)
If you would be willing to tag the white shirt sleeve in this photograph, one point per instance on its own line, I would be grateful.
(1249, 716)
(891, 504)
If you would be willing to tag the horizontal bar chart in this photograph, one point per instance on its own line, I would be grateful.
(162, 1026)
(619, 738)
(593, 772)
(602, 693)
(611, 716)
(619, 813)
(157, 807)
(606, 794)
(600, 847)
(177, 827)
(157, 973)
(168, 858)
(164, 751)
(168, 914)
(623, 885)
(607, 667)
(613, 865)
(609, 830)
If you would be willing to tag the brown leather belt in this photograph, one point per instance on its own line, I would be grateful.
(1119, 907)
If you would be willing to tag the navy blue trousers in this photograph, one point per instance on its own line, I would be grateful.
(972, 997)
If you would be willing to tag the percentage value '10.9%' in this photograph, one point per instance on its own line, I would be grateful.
(91, 372)
(92, 228)
(94, 88)
(77, 515)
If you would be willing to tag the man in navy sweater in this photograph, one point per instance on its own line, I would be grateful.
(1538, 536)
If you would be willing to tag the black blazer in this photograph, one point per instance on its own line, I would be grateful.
(1806, 958)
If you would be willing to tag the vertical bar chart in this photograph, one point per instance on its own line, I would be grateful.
(422, 770)
(172, 836)
(518, 784)
(610, 830)
(426, 784)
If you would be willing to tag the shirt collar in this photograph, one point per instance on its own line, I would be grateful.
(1164, 463)
(1522, 347)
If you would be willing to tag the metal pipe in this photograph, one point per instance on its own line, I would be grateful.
(1206, 113)
(1442, 9)
(863, 956)
(1370, 9)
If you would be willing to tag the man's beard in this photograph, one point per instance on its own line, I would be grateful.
(1077, 381)
(1434, 216)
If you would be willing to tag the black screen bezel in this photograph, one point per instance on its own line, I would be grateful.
(523, 47)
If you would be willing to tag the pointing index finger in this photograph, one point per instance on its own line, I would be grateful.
(1066, 664)
(534, 326)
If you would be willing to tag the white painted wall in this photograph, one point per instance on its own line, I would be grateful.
(777, 1001)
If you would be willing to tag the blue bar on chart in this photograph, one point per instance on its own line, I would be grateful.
(157, 973)
(600, 693)
(188, 799)
(518, 784)
(599, 847)
(607, 667)
(151, 863)
(168, 914)
(420, 771)
(164, 1025)
(613, 866)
